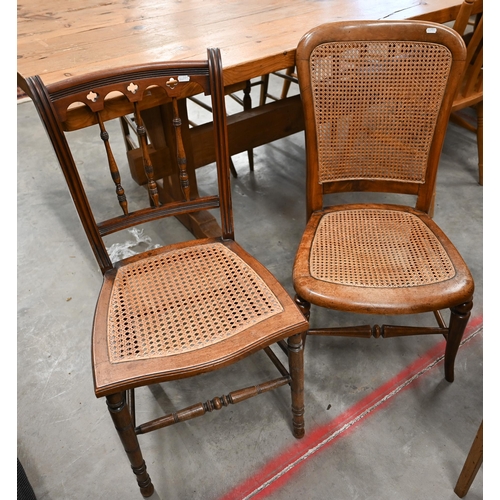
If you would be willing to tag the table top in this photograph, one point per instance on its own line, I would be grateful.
(58, 39)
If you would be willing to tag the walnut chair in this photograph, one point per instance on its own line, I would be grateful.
(470, 93)
(179, 310)
(377, 98)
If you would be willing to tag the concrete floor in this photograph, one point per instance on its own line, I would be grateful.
(382, 423)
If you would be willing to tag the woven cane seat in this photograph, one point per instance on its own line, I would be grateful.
(378, 259)
(378, 248)
(185, 299)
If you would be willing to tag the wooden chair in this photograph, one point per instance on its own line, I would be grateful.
(376, 98)
(183, 309)
(470, 93)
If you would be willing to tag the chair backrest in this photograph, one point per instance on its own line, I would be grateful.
(96, 98)
(377, 98)
(471, 90)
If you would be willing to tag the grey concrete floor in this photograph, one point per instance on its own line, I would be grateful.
(382, 423)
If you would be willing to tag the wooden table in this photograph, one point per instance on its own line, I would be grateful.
(58, 39)
(62, 38)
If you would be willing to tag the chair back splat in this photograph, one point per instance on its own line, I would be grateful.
(377, 97)
(362, 100)
(139, 88)
(181, 309)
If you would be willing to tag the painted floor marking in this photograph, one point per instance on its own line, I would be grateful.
(276, 472)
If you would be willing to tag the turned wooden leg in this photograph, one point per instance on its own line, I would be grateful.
(120, 414)
(296, 366)
(458, 321)
(471, 466)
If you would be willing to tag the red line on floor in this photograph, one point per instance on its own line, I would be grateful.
(279, 470)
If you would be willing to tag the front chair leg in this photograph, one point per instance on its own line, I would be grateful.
(122, 419)
(458, 321)
(296, 366)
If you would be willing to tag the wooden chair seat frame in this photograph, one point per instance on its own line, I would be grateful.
(377, 258)
(179, 310)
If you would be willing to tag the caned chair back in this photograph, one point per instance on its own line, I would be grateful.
(377, 97)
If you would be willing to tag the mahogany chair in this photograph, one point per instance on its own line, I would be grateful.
(183, 309)
(470, 93)
(376, 98)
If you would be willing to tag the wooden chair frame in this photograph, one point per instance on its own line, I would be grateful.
(118, 371)
(351, 294)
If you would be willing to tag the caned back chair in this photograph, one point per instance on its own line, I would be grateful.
(182, 309)
(470, 92)
(377, 97)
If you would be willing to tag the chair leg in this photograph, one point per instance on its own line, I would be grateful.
(286, 83)
(232, 168)
(479, 112)
(304, 306)
(264, 89)
(247, 106)
(305, 309)
(471, 466)
(122, 419)
(296, 366)
(458, 321)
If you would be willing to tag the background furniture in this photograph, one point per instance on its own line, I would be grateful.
(376, 98)
(472, 463)
(182, 309)
(470, 93)
(57, 42)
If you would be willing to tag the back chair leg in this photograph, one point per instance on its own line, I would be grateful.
(247, 106)
(296, 366)
(458, 321)
(304, 306)
(122, 419)
(264, 89)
